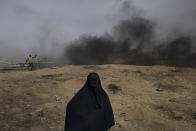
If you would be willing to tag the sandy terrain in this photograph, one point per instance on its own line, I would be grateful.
(154, 98)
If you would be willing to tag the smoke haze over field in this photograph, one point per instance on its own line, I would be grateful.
(137, 39)
(43, 27)
(134, 28)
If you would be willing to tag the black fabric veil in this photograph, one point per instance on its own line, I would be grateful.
(90, 108)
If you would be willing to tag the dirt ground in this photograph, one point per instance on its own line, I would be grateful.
(153, 98)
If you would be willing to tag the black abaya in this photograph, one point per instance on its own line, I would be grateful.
(90, 108)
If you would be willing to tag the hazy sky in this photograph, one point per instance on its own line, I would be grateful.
(30, 25)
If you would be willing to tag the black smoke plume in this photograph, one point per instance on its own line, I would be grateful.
(133, 41)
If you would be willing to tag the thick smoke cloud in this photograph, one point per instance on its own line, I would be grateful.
(134, 41)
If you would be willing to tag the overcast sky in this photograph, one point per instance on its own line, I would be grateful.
(30, 25)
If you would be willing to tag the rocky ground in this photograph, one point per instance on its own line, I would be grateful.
(153, 98)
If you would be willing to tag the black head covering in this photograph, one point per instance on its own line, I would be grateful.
(93, 83)
(90, 108)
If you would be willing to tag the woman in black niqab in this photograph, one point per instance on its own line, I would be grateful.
(90, 108)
